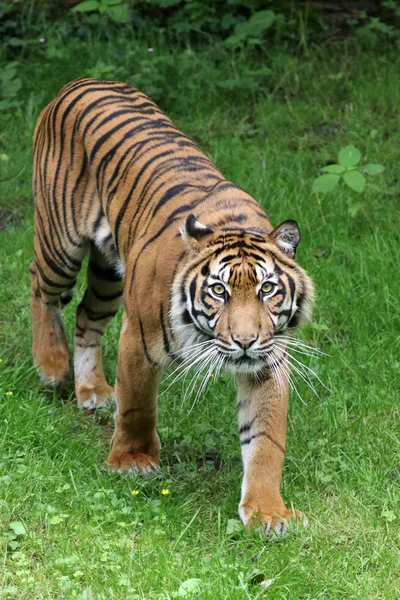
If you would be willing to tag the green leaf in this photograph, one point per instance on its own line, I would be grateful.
(18, 528)
(374, 169)
(55, 520)
(337, 169)
(355, 180)
(110, 2)
(257, 23)
(119, 14)
(232, 526)
(13, 545)
(188, 586)
(388, 515)
(354, 208)
(325, 183)
(349, 156)
(86, 6)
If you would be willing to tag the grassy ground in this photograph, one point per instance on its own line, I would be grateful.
(68, 528)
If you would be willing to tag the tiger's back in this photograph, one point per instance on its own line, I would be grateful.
(105, 149)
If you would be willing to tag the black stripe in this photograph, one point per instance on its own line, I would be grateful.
(265, 434)
(95, 330)
(106, 297)
(253, 437)
(108, 274)
(127, 200)
(167, 347)
(48, 281)
(146, 352)
(247, 426)
(97, 316)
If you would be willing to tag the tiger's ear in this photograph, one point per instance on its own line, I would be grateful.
(194, 232)
(287, 236)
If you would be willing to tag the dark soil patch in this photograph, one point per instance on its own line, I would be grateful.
(8, 217)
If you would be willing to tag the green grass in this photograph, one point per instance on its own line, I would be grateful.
(84, 534)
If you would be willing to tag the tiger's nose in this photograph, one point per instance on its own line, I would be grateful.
(244, 342)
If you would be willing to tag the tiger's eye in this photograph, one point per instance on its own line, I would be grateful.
(218, 289)
(267, 287)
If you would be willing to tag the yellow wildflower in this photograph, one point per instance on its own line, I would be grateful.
(135, 492)
(1, 360)
(9, 393)
(165, 492)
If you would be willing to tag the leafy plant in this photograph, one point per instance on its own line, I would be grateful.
(10, 85)
(251, 29)
(115, 9)
(348, 170)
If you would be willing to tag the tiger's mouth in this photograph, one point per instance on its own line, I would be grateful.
(245, 363)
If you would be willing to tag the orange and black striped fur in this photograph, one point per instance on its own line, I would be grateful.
(202, 275)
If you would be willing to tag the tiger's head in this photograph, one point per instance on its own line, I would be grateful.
(237, 293)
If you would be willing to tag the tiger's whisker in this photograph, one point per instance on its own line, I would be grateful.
(185, 368)
(196, 377)
(309, 369)
(296, 342)
(205, 381)
(304, 376)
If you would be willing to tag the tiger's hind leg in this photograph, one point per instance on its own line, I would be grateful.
(101, 301)
(49, 290)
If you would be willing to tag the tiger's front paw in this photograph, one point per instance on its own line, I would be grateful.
(134, 463)
(269, 512)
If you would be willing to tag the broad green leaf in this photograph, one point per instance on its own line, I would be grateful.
(119, 14)
(257, 23)
(354, 208)
(55, 520)
(86, 6)
(325, 183)
(187, 587)
(355, 180)
(349, 156)
(110, 2)
(261, 20)
(389, 515)
(18, 527)
(232, 526)
(13, 545)
(374, 169)
(337, 169)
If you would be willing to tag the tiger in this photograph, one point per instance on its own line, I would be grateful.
(204, 279)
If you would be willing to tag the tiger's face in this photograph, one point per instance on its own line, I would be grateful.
(240, 291)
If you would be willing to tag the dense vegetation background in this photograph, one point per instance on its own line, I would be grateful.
(272, 92)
